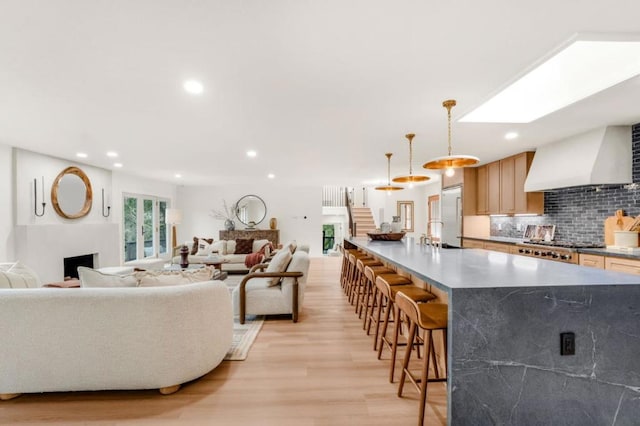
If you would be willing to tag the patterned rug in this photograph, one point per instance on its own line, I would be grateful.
(243, 337)
(243, 334)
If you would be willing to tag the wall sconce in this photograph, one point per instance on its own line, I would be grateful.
(35, 198)
(108, 207)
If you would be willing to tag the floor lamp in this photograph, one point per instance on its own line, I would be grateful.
(173, 218)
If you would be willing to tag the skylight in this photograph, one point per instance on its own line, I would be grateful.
(580, 69)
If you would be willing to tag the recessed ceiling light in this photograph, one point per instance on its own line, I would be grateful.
(510, 135)
(583, 66)
(81, 155)
(178, 175)
(271, 176)
(118, 165)
(112, 154)
(194, 87)
(251, 153)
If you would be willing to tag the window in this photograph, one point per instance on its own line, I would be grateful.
(145, 230)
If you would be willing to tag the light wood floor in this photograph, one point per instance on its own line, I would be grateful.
(320, 371)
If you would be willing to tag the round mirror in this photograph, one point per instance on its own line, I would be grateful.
(71, 193)
(251, 210)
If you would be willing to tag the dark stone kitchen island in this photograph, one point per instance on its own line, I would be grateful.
(506, 313)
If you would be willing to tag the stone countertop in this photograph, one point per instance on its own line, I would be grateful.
(473, 268)
(610, 252)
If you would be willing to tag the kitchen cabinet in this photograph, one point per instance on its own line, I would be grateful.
(489, 245)
(502, 248)
(466, 243)
(466, 178)
(507, 186)
(493, 187)
(500, 187)
(617, 264)
(592, 260)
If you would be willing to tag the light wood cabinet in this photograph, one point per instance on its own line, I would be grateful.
(525, 202)
(465, 177)
(617, 264)
(500, 187)
(507, 186)
(493, 187)
(482, 192)
(592, 260)
(503, 248)
(466, 243)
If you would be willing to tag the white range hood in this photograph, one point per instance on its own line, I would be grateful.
(600, 156)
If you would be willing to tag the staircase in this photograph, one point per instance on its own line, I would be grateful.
(363, 220)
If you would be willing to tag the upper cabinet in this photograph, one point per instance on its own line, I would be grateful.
(501, 187)
(465, 177)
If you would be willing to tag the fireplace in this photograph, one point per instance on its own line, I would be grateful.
(71, 264)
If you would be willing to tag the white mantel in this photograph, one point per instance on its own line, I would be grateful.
(43, 247)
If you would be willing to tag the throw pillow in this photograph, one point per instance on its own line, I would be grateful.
(196, 240)
(231, 246)
(244, 246)
(279, 263)
(165, 278)
(204, 247)
(92, 278)
(219, 247)
(16, 275)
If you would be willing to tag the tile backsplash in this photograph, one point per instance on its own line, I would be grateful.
(579, 212)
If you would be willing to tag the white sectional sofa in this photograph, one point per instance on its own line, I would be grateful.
(225, 250)
(85, 339)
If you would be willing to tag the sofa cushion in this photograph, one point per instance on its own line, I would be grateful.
(219, 247)
(291, 245)
(16, 275)
(231, 246)
(258, 244)
(163, 278)
(244, 245)
(279, 263)
(196, 240)
(92, 278)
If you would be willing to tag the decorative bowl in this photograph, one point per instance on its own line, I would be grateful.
(386, 236)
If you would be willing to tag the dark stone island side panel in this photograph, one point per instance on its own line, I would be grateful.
(506, 367)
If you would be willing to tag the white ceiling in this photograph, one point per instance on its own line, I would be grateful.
(321, 89)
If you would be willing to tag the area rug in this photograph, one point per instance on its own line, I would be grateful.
(243, 337)
(243, 334)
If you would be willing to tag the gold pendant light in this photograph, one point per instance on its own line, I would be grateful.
(410, 178)
(451, 162)
(389, 187)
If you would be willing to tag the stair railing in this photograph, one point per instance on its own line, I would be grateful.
(348, 202)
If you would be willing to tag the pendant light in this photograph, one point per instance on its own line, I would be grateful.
(389, 187)
(451, 162)
(410, 178)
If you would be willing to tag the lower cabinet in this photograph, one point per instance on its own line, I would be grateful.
(622, 265)
(592, 261)
(472, 244)
(503, 248)
(487, 245)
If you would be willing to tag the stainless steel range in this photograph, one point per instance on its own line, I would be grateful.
(554, 250)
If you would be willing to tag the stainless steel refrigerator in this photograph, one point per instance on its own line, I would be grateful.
(451, 205)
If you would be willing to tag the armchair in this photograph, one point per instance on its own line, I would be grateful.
(255, 295)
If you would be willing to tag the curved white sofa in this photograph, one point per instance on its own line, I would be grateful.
(84, 339)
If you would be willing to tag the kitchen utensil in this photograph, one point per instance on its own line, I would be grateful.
(635, 226)
(611, 224)
(619, 221)
(625, 238)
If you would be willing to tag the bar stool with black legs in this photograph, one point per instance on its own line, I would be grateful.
(388, 294)
(428, 317)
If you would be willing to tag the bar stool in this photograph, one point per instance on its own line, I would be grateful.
(354, 282)
(344, 277)
(361, 284)
(371, 292)
(382, 302)
(388, 293)
(352, 256)
(428, 317)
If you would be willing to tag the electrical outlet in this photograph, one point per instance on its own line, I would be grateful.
(567, 343)
(519, 227)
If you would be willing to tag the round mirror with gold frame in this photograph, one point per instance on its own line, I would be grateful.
(71, 193)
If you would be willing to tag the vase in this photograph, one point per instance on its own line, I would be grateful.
(273, 223)
(184, 256)
(229, 225)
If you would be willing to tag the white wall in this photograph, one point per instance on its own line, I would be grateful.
(297, 209)
(7, 250)
(384, 207)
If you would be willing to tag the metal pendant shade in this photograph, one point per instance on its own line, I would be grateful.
(389, 187)
(451, 161)
(410, 178)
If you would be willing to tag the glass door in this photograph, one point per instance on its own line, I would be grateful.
(145, 231)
